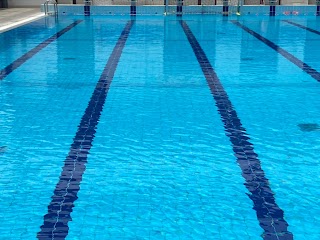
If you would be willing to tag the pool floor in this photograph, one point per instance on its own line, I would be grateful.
(160, 127)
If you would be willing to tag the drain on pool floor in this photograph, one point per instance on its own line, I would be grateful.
(309, 127)
(3, 149)
(247, 59)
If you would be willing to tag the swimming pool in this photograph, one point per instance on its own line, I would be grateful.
(152, 127)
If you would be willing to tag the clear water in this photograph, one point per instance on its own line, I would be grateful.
(161, 165)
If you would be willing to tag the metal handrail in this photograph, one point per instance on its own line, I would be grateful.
(239, 6)
(46, 6)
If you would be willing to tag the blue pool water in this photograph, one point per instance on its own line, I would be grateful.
(161, 147)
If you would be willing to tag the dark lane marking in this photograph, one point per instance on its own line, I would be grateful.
(301, 26)
(87, 10)
(270, 216)
(179, 7)
(56, 221)
(21, 60)
(225, 10)
(272, 11)
(133, 9)
(305, 67)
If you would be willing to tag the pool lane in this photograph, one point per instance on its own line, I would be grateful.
(300, 64)
(38, 26)
(161, 166)
(302, 44)
(19, 41)
(65, 194)
(21, 60)
(269, 214)
(41, 105)
(274, 99)
(302, 26)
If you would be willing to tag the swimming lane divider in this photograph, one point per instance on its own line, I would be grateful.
(55, 225)
(301, 26)
(305, 67)
(21, 60)
(269, 214)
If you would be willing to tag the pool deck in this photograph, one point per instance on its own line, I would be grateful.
(14, 17)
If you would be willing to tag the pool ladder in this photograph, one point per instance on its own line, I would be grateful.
(47, 5)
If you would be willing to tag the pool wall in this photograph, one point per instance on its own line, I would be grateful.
(65, 9)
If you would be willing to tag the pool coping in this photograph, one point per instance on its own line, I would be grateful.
(21, 22)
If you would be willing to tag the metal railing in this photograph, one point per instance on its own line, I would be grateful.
(47, 9)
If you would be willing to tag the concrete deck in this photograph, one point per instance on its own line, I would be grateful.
(14, 17)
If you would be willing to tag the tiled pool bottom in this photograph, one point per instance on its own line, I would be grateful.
(198, 127)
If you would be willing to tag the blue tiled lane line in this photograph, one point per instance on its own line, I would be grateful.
(305, 67)
(301, 26)
(270, 215)
(21, 60)
(55, 224)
